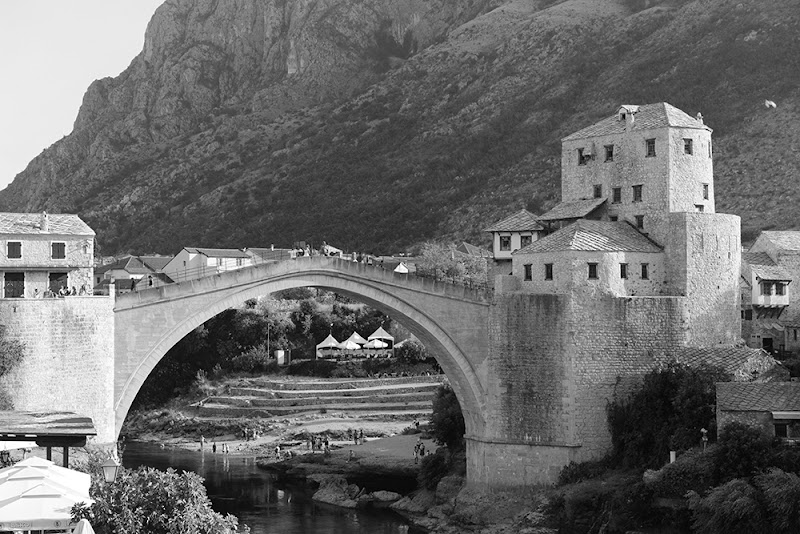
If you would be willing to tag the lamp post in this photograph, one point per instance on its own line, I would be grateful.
(110, 468)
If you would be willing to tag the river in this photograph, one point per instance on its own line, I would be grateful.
(236, 486)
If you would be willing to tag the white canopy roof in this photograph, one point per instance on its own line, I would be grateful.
(356, 337)
(380, 333)
(37, 494)
(328, 343)
(349, 345)
(376, 344)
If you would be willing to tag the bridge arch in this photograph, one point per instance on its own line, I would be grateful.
(151, 322)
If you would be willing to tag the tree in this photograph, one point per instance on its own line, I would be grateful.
(411, 351)
(156, 502)
(447, 421)
(443, 262)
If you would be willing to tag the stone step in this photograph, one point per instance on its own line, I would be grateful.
(220, 410)
(344, 383)
(329, 398)
(329, 393)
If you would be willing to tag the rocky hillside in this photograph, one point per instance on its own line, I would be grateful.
(376, 124)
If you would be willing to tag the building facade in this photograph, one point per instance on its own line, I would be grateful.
(43, 252)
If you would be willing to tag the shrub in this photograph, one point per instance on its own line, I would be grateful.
(692, 471)
(580, 471)
(317, 368)
(411, 351)
(447, 422)
(432, 469)
(740, 452)
(733, 507)
(254, 360)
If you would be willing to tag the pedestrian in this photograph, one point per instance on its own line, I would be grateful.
(214, 446)
(352, 456)
(355, 436)
(361, 436)
(416, 450)
(202, 442)
(422, 450)
(278, 451)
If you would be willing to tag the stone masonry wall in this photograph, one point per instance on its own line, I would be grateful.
(69, 357)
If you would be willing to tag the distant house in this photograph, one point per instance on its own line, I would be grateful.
(192, 262)
(773, 407)
(513, 233)
(145, 271)
(472, 250)
(744, 364)
(42, 251)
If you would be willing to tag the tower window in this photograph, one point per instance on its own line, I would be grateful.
(623, 270)
(766, 288)
(616, 195)
(650, 148)
(639, 221)
(525, 240)
(598, 191)
(527, 268)
(58, 251)
(14, 249)
(613, 218)
(779, 288)
(709, 148)
(609, 152)
(645, 271)
(592, 271)
(505, 242)
(637, 193)
(705, 191)
(548, 271)
(581, 157)
(699, 207)
(687, 147)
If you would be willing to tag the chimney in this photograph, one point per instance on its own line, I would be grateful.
(43, 222)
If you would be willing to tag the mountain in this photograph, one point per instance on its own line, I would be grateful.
(377, 124)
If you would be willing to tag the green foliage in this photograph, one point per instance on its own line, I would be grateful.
(318, 368)
(742, 451)
(447, 421)
(11, 354)
(731, 508)
(443, 262)
(255, 360)
(666, 413)
(580, 471)
(411, 351)
(692, 471)
(156, 502)
(433, 468)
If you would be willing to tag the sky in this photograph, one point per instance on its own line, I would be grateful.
(50, 52)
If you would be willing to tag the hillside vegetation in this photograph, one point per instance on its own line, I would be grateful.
(423, 122)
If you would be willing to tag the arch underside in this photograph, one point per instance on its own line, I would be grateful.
(436, 339)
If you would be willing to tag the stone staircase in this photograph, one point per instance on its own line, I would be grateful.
(266, 397)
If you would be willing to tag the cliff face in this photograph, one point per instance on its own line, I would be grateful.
(378, 124)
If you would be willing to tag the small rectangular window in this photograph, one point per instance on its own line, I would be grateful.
(505, 242)
(616, 195)
(14, 249)
(779, 287)
(637, 193)
(766, 288)
(609, 152)
(548, 271)
(645, 271)
(795, 335)
(687, 147)
(650, 148)
(592, 271)
(525, 240)
(58, 251)
(699, 207)
(613, 218)
(748, 315)
(705, 191)
(709, 148)
(623, 270)
(528, 275)
(581, 157)
(639, 221)
(781, 430)
(14, 285)
(598, 191)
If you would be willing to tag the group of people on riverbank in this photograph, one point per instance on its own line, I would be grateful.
(224, 448)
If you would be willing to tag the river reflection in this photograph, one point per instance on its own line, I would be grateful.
(236, 486)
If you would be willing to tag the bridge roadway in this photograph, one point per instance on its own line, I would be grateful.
(450, 320)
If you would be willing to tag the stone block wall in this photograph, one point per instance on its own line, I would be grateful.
(69, 357)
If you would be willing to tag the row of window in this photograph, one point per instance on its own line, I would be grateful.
(623, 271)
(649, 150)
(767, 288)
(58, 251)
(505, 241)
(616, 192)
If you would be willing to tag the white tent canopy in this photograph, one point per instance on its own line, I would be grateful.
(36, 494)
(349, 345)
(329, 343)
(376, 344)
(355, 337)
(380, 333)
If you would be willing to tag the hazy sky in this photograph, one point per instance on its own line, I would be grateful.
(50, 51)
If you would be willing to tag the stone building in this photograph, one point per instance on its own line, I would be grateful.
(773, 407)
(42, 251)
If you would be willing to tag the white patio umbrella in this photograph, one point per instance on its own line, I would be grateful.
(349, 345)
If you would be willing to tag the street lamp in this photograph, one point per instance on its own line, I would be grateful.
(110, 468)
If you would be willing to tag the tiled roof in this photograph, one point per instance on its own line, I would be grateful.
(786, 240)
(646, 117)
(731, 359)
(472, 250)
(156, 263)
(219, 252)
(30, 223)
(587, 235)
(136, 264)
(758, 396)
(760, 264)
(572, 209)
(521, 221)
